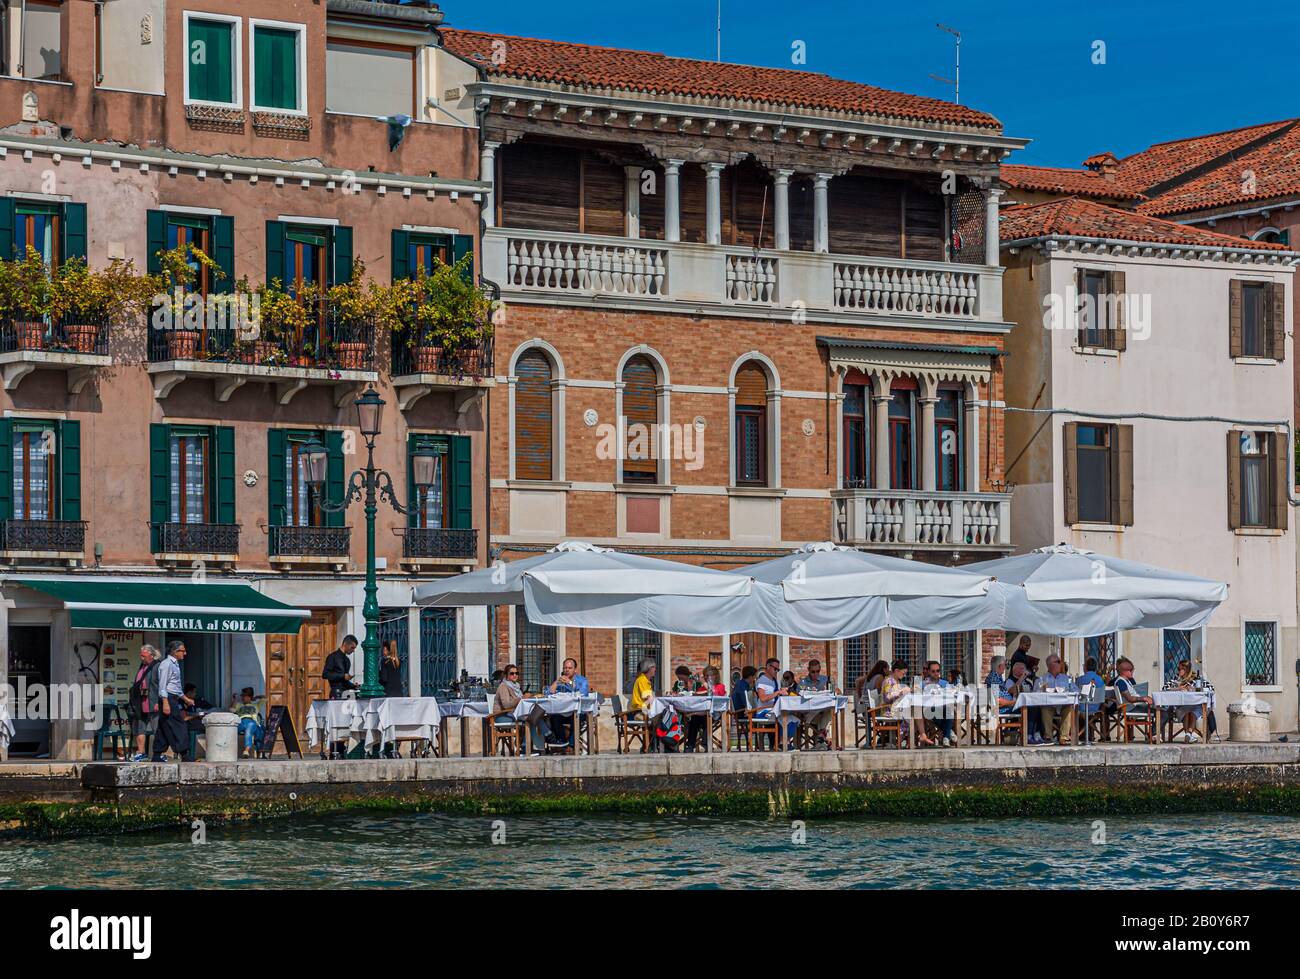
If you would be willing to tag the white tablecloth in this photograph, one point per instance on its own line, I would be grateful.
(808, 704)
(1047, 698)
(688, 704)
(1181, 698)
(385, 719)
(462, 708)
(560, 703)
(931, 703)
(333, 720)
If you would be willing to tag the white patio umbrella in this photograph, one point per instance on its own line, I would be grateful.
(1076, 593)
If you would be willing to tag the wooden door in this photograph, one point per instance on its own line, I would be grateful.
(294, 664)
(758, 648)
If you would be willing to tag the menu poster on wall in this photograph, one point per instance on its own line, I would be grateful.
(119, 657)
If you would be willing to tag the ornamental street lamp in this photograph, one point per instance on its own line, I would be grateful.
(369, 485)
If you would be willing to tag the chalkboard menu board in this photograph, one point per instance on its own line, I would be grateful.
(279, 722)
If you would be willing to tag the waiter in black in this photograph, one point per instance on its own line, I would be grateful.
(338, 668)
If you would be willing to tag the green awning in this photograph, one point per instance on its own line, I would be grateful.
(168, 606)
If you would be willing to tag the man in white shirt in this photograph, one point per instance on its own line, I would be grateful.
(172, 732)
(1056, 679)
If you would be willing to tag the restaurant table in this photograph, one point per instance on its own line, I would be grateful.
(1045, 698)
(332, 720)
(1163, 700)
(812, 703)
(464, 710)
(710, 705)
(563, 704)
(384, 720)
(934, 699)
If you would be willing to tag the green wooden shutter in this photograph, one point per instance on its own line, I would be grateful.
(159, 481)
(211, 79)
(275, 486)
(223, 251)
(69, 470)
(462, 245)
(74, 232)
(401, 254)
(462, 490)
(155, 223)
(6, 468)
(342, 270)
(334, 478)
(412, 513)
(224, 511)
(275, 251)
(7, 229)
(275, 65)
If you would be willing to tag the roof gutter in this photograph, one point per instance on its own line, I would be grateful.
(1259, 253)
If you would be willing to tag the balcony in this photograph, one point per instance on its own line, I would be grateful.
(424, 547)
(327, 353)
(560, 267)
(922, 520)
(419, 370)
(181, 543)
(330, 546)
(76, 348)
(32, 541)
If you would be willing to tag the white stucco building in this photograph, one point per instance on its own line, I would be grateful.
(1158, 427)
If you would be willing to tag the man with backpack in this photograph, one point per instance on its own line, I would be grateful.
(142, 702)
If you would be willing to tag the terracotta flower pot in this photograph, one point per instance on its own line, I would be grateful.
(428, 359)
(352, 356)
(82, 336)
(30, 334)
(260, 352)
(182, 344)
(471, 360)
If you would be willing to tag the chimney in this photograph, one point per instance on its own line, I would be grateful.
(1104, 164)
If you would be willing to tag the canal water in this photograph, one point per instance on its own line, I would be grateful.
(437, 851)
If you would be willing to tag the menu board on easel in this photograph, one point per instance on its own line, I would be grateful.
(119, 658)
(280, 723)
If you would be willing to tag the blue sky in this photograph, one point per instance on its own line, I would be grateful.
(1171, 69)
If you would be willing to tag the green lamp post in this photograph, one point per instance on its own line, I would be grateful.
(369, 485)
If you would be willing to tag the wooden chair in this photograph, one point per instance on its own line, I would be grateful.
(757, 727)
(1010, 721)
(882, 722)
(503, 729)
(629, 726)
(861, 722)
(1140, 715)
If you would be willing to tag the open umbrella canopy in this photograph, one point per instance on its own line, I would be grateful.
(829, 571)
(582, 574)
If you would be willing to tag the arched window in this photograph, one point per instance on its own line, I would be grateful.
(751, 425)
(902, 434)
(641, 420)
(534, 392)
(857, 431)
(949, 440)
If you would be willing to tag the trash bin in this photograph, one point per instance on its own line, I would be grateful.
(222, 732)
(1248, 720)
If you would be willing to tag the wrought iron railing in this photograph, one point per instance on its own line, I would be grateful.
(239, 336)
(69, 334)
(410, 357)
(439, 542)
(65, 536)
(198, 538)
(310, 542)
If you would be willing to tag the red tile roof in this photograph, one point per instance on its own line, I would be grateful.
(587, 66)
(1063, 180)
(1166, 161)
(1266, 172)
(1080, 218)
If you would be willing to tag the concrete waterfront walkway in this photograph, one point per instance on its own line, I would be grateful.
(1139, 765)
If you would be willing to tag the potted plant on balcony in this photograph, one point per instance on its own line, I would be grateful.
(25, 298)
(84, 300)
(178, 274)
(287, 320)
(452, 318)
(352, 307)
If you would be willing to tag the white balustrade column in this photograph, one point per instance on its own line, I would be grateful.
(672, 200)
(487, 170)
(713, 202)
(632, 202)
(781, 208)
(991, 197)
(821, 218)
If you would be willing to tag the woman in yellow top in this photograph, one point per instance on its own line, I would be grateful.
(643, 690)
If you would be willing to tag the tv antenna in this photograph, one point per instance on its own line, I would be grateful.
(955, 80)
(719, 30)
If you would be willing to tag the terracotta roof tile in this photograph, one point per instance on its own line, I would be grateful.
(1166, 161)
(1063, 180)
(587, 66)
(1268, 171)
(1080, 218)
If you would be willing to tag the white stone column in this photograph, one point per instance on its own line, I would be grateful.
(713, 202)
(821, 219)
(880, 430)
(926, 443)
(781, 208)
(672, 200)
(991, 197)
(487, 170)
(632, 202)
(973, 439)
